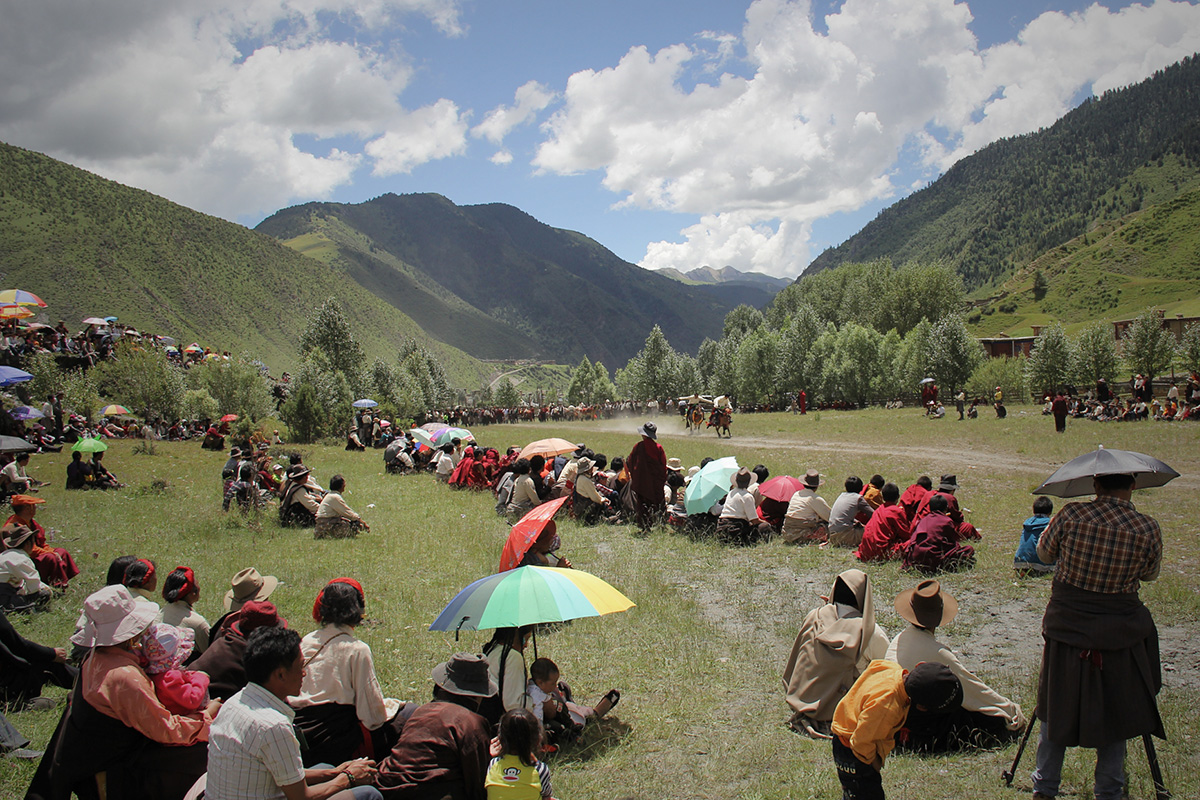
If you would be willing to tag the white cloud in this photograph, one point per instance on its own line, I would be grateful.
(501, 158)
(531, 97)
(204, 102)
(819, 121)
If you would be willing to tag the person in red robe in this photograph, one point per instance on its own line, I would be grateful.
(54, 564)
(647, 468)
(887, 530)
(913, 495)
(803, 401)
(1059, 408)
(469, 472)
(946, 489)
(935, 544)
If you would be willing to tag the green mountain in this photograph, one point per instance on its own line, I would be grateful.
(1018, 198)
(92, 247)
(497, 283)
(1115, 271)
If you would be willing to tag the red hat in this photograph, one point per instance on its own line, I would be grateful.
(257, 614)
(316, 612)
(25, 500)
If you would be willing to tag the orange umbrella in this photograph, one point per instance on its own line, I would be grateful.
(547, 447)
(526, 532)
(15, 312)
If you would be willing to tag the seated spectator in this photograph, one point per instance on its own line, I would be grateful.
(229, 471)
(934, 545)
(21, 588)
(396, 458)
(101, 477)
(164, 649)
(141, 578)
(525, 494)
(340, 707)
(946, 489)
(335, 519)
(835, 644)
(1026, 558)
(444, 749)
(115, 723)
(245, 586)
(444, 464)
(181, 592)
(913, 495)
(13, 478)
(888, 529)
(299, 504)
(986, 718)
(79, 472)
(872, 491)
(552, 705)
(222, 661)
(807, 513)
(516, 772)
(587, 504)
(254, 749)
(54, 564)
(738, 521)
(244, 491)
(543, 552)
(26, 666)
(505, 654)
(849, 514)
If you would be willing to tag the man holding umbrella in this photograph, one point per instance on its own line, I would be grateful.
(1100, 667)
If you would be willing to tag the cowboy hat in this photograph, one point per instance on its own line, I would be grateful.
(926, 606)
(813, 479)
(249, 585)
(15, 535)
(112, 616)
(649, 430)
(585, 466)
(949, 483)
(674, 465)
(465, 674)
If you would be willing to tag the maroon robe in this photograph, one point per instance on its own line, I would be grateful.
(885, 534)
(964, 529)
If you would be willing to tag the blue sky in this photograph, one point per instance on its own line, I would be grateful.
(675, 133)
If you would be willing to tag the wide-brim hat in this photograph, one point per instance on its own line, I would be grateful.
(15, 535)
(585, 465)
(926, 606)
(297, 471)
(25, 500)
(649, 429)
(249, 585)
(692, 472)
(813, 479)
(112, 616)
(465, 674)
(949, 483)
(675, 465)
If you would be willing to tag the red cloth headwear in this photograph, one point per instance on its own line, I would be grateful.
(362, 596)
(190, 581)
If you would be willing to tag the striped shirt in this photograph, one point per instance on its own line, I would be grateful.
(252, 748)
(1102, 546)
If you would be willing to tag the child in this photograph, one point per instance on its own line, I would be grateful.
(1027, 557)
(164, 649)
(552, 704)
(868, 718)
(517, 774)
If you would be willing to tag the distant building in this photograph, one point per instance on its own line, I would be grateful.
(1008, 346)
(1175, 326)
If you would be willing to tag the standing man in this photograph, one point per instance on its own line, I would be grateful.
(803, 402)
(959, 400)
(253, 753)
(1100, 667)
(647, 466)
(58, 416)
(1058, 407)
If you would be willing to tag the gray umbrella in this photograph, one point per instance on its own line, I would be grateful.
(1074, 479)
(12, 444)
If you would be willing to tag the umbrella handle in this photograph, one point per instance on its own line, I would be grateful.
(461, 622)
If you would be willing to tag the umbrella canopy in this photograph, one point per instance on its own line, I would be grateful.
(110, 319)
(709, 485)
(446, 434)
(20, 297)
(781, 488)
(422, 436)
(14, 444)
(924, 381)
(114, 410)
(229, 418)
(40, 326)
(527, 596)
(364, 403)
(191, 348)
(11, 375)
(15, 312)
(171, 348)
(547, 448)
(385, 424)
(1074, 478)
(26, 413)
(526, 532)
(89, 445)
(434, 426)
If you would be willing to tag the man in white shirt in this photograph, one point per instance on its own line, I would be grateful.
(849, 515)
(335, 519)
(21, 588)
(807, 513)
(14, 478)
(253, 753)
(444, 464)
(739, 520)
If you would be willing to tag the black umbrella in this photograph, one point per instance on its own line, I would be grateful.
(1074, 479)
(12, 444)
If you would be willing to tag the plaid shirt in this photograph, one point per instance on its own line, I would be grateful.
(1102, 546)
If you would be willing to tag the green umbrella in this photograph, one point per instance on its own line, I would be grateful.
(709, 485)
(89, 445)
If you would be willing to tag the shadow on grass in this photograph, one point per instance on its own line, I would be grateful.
(598, 738)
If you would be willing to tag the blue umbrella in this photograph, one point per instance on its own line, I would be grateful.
(110, 319)
(364, 403)
(11, 375)
(25, 413)
(709, 485)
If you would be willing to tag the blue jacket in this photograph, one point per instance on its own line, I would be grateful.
(1027, 550)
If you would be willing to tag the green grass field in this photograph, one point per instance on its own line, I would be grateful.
(698, 660)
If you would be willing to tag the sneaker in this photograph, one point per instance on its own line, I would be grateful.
(24, 753)
(41, 704)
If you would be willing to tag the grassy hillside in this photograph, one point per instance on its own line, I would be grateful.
(534, 290)
(89, 246)
(1018, 198)
(1150, 258)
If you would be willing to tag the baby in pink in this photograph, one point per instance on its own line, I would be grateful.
(164, 649)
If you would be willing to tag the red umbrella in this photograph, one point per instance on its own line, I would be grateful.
(229, 418)
(526, 532)
(781, 488)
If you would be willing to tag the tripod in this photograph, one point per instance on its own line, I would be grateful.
(1160, 789)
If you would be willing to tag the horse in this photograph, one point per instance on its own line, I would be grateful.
(721, 419)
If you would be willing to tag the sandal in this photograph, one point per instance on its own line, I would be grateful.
(607, 703)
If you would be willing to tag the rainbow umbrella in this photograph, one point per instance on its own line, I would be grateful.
(20, 297)
(89, 445)
(114, 410)
(527, 596)
(446, 434)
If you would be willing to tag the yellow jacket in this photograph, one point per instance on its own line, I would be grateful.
(875, 708)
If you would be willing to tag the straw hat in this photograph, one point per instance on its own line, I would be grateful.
(15, 535)
(465, 674)
(926, 606)
(249, 585)
(112, 616)
(813, 479)
(674, 465)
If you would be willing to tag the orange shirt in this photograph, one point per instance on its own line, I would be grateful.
(116, 686)
(875, 708)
